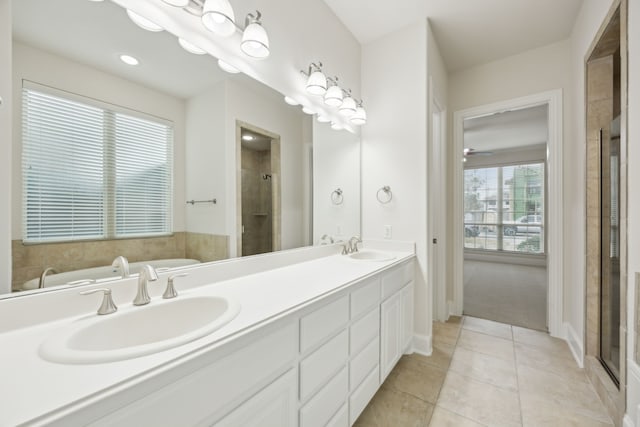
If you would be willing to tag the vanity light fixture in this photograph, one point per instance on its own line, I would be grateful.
(307, 110)
(225, 66)
(290, 101)
(143, 22)
(177, 3)
(316, 80)
(333, 96)
(336, 126)
(129, 60)
(190, 47)
(360, 116)
(255, 42)
(348, 107)
(323, 119)
(218, 17)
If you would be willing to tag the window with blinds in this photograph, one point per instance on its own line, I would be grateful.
(92, 170)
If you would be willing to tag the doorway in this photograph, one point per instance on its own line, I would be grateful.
(550, 228)
(259, 190)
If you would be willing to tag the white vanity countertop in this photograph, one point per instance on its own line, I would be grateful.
(32, 387)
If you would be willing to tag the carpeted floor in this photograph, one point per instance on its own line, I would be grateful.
(507, 293)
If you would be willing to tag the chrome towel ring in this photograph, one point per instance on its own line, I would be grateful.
(386, 195)
(336, 197)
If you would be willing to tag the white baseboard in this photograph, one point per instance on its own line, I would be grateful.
(576, 343)
(422, 344)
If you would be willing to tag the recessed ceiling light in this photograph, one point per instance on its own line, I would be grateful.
(227, 67)
(143, 22)
(190, 47)
(290, 100)
(129, 60)
(248, 137)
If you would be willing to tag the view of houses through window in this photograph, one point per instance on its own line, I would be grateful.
(504, 208)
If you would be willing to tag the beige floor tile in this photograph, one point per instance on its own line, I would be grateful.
(542, 340)
(537, 411)
(488, 327)
(420, 380)
(480, 402)
(545, 360)
(440, 358)
(391, 408)
(485, 368)
(575, 397)
(455, 319)
(482, 343)
(445, 333)
(444, 418)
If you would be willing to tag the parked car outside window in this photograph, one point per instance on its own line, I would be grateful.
(524, 224)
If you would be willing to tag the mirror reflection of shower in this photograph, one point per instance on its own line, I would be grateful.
(258, 164)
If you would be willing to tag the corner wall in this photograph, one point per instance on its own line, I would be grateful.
(394, 152)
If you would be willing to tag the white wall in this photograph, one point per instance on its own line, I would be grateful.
(269, 113)
(205, 155)
(336, 164)
(5, 146)
(394, 151)
(633, 203)
(51, 70)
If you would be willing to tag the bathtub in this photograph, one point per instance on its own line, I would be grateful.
(102, 273)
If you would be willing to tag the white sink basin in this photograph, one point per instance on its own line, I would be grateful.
(138, 331)
(367, 255)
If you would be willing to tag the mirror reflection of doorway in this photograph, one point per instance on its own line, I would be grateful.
(259, 191)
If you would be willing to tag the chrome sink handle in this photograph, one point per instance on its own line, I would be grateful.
(107, 306)
(171, 292)
(147, 274)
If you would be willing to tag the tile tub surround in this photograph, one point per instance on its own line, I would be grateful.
(485, 373)
(267, 287)
(29, 261)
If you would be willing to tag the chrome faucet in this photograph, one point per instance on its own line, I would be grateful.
(123, 264)
(147, 274)
(324, 238)
(353, 243)
(44, 274)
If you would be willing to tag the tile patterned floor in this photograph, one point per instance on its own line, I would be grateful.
(484, 373)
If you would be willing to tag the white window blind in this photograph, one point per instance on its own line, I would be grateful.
(92, 170)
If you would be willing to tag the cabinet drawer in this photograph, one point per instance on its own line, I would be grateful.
(341, 419)
(396, 279)
(321, 408)
(365, 298)
(320, 324)
(363, 363)
(274, 406)
(364, 330)
(362, 395)
(318, 367)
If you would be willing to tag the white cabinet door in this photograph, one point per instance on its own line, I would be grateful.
(407, 318)
(274, 406)
(390, 323)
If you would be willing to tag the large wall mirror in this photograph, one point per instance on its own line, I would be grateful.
(237, 160)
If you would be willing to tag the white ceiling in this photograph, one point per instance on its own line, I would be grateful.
(509, 130)
(468, 32)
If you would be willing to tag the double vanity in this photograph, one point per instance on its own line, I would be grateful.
(294, 338)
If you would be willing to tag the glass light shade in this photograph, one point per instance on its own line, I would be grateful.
(307, 110)
(317, 83)
(334, 96)
(323, 119)
(255, 42)
(177, 3)
(359, 117)
(348, 107)
(143, 22)
(190, 47)
(227, 67)
(218, 17)
(336, 126)
(290, 100)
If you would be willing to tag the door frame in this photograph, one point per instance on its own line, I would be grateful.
(555, 240)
